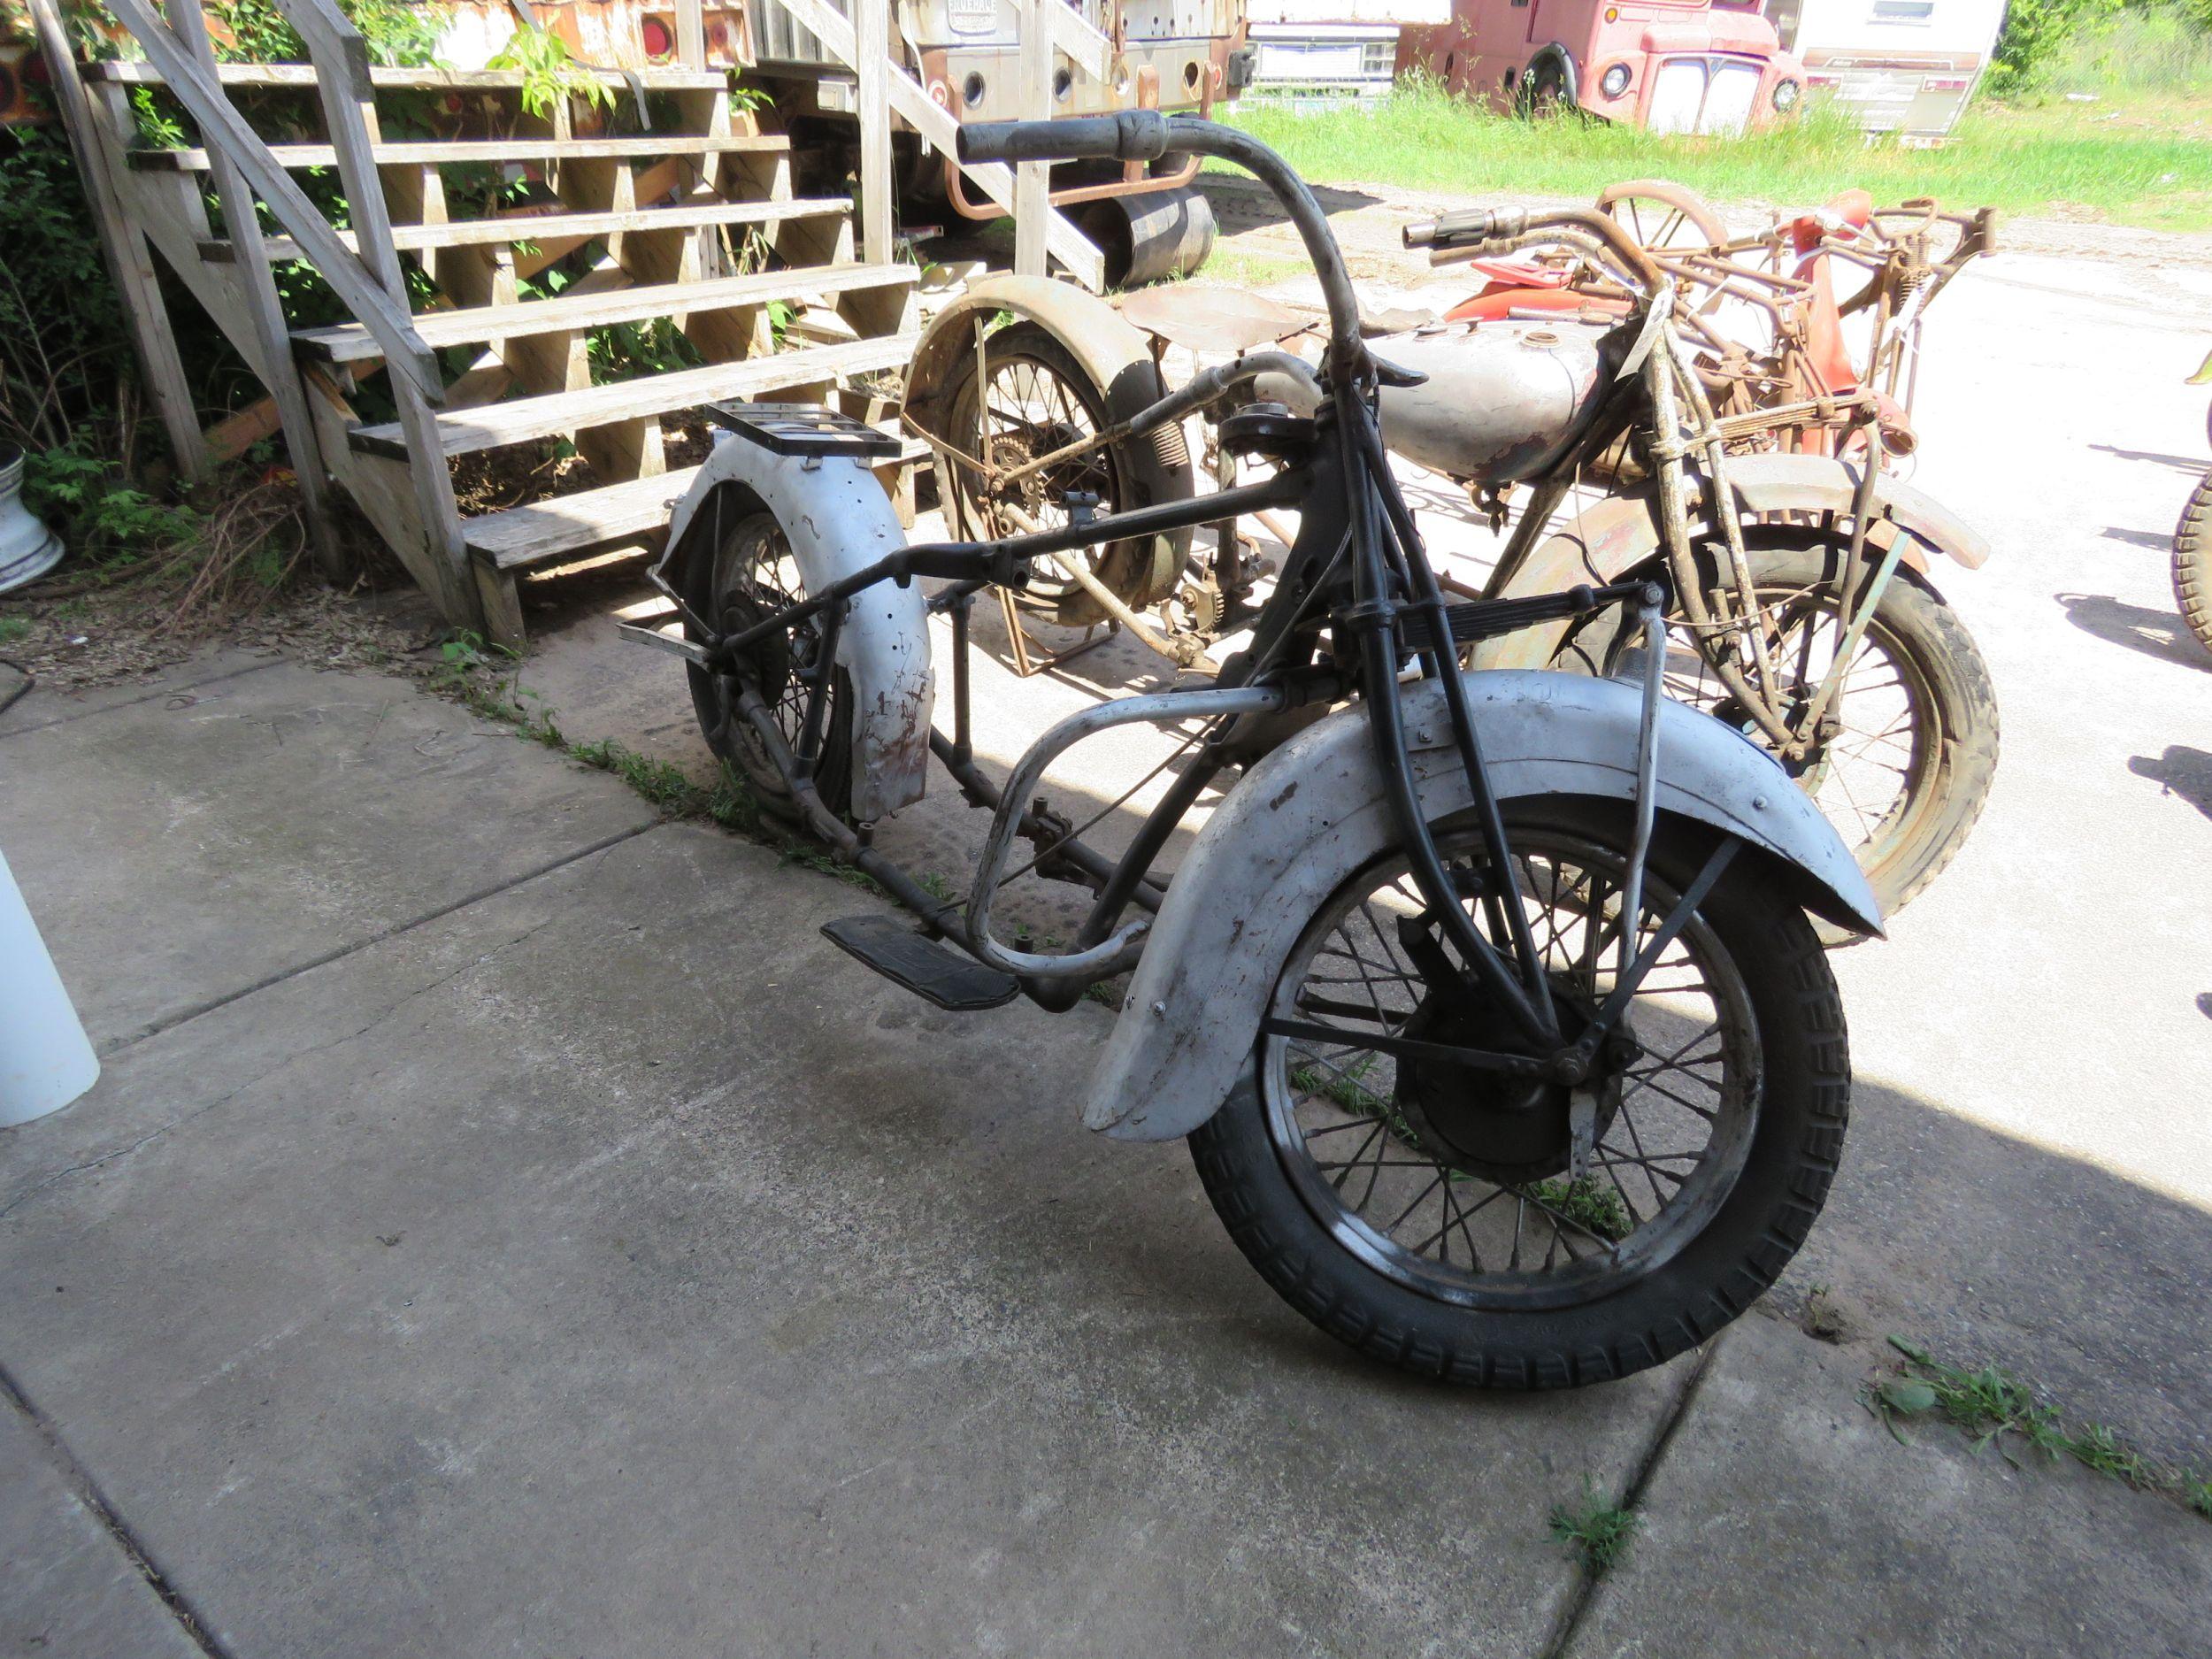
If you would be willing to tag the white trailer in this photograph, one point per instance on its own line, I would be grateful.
(1901, 67)
(1331, 50)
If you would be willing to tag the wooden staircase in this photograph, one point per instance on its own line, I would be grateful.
(672, 205)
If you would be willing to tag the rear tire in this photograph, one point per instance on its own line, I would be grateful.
(2193, 562)
(1783, 1095)
(1543, 93)
(730, 583)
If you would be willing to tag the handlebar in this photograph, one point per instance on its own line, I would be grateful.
(1476, 231)
(1469, 224)
(1130, 135)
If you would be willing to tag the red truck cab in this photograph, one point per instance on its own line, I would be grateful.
(1668, 65)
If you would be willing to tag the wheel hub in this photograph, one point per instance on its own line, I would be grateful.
(1500, 1127)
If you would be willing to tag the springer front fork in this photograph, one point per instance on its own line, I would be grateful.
(1739, 647)
(1394, 585)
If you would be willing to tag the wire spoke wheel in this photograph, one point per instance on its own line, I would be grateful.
(1902, 758)
(1876, 755)
(1506, 1228)
(1034, 401)
(1464, 1185)
(747, 573)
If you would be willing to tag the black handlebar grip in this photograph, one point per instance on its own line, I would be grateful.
(1130, 135)
(1469, 224)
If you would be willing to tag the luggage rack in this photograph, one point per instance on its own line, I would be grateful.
(802, 429)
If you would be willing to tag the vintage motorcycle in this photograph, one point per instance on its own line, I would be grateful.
(1489, 1002)
(1769, 312)
(1806, 616)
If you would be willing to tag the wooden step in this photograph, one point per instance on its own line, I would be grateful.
(518, 421)
(441, 152)
(350, 342)
(655, 79)
(566, 527)
(566, 226)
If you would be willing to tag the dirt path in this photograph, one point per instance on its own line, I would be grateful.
(1367, 219)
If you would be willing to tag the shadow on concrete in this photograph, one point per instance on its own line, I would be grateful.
(2179, 462)
(2158, 633)
(2184, 770)
(1241, 202)
(1990, 1249)
(2157, 541)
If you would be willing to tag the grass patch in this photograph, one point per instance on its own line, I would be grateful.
(1599, 1530)
(14, 628)
(2155, 171)
(1993, 1408)
(1588, 1203)
(485, 680)
(2132, 56)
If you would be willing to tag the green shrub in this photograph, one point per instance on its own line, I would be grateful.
(2142, 52)
(2036, 33)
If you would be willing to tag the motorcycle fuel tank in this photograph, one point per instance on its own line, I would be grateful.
(1501, 399)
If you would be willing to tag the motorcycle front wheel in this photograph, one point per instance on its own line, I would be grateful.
(1452, 1221)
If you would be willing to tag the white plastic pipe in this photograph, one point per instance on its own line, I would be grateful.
(46, 1060)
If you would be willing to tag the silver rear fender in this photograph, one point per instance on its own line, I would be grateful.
(1313, 811)
(839, 521)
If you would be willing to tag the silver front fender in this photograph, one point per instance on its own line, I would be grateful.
(1313, 811)
(838, 520)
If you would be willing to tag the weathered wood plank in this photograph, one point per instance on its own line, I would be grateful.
(463, 431)
(455, 151)
(871, 23)
(579, 227)
(658, 79)
(279, 374)
(1032, 180)
(346, 342)
(125, 247)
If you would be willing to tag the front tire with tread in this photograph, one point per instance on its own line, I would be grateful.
(1796, 1140)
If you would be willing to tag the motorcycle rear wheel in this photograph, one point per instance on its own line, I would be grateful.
(730, 583)
(1405, 1211)
(2193, 562)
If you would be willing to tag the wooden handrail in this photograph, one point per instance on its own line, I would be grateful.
(368, 297)
(941, 131)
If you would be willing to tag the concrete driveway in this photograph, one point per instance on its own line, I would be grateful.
(505, 1226)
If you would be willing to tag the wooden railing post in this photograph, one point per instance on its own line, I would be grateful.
(349, 99)
(871, 39)
(939, 130)
(691, 34)
(129, 263)
(241, 223)
(1032, 180)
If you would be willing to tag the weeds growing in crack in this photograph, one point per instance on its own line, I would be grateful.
(1596, 1527)
(1993, 1408)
